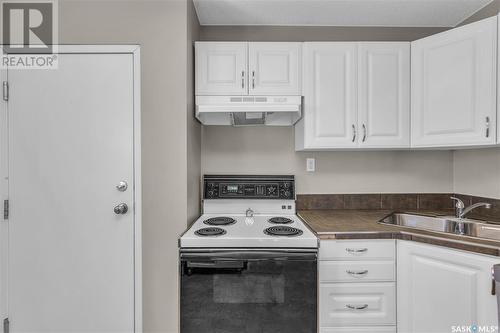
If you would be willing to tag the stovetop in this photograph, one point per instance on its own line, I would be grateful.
(241, 231)
(248, 211)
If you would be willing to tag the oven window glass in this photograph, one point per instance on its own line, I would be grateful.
(265, 296)
(257, 288)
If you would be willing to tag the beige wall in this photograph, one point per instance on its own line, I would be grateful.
(193, 126)
(271, 150)
(284, 34)
(161, 28)
(477, 171)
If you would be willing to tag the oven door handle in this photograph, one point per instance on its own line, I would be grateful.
(226, 264)
(229, 255)
(210, 267)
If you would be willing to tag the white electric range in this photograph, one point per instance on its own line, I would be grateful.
(248, 264)
(249, 212)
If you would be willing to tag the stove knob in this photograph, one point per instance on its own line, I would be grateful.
(210, 193)
(287, 194)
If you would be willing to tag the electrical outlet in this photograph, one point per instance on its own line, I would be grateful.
(311, 164)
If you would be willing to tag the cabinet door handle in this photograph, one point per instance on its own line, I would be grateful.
(487, 127)
(253, 79)
(353, 133)
(242, 79)
(356, 307)
(493, 283)
(361, 250)
(357, 272)
(364, 132)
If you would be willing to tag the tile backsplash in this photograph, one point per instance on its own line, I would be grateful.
(398, 202)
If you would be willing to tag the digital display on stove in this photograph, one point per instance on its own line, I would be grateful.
(232, 188)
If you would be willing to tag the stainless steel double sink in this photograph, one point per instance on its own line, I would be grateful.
(445, 224)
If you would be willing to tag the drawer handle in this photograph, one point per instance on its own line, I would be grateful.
(351, 251)
(357, 272)
(356, 307)
(493, 282)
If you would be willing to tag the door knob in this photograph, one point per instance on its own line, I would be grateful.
(121, 208)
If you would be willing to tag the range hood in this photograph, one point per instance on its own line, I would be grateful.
(248, 110)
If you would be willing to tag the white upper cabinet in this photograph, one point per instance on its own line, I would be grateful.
(330, 79)
(241, 68)
(356, 95)
(221, 68)
(384, 95)
(439, 288)
(454, 87)
(274, 68)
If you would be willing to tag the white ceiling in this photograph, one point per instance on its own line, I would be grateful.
(387, 13)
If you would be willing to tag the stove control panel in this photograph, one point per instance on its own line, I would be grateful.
(249, 187)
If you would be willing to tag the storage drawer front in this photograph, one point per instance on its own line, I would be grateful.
(357, 250)
(351, 304)
(356, 271)
(365, 329)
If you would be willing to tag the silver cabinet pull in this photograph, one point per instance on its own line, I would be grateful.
(242, 79)
(353, 133)
(356, 307)
(121, 209)
(487, 127)
(364, 132)
(493, 283)
(356, 273)
(253, 79)
(360, 250)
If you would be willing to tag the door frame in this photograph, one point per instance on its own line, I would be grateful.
(134, 50)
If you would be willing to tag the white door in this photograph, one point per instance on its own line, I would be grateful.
(454, 87)
(221, 68)
(439, 288)
(275, 68)
(330, 79)
(4, 240)
(71, 136)
(384, 95)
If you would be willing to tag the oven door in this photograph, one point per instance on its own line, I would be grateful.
(261, 291)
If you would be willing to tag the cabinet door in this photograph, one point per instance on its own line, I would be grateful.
(454, 87)
(221, 68)
(275, 68)
(384, 95)
(439, 288)
(330, 78)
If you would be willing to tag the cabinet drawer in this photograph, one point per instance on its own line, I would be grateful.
(356, 271)
(357, 250)
(367, 329)
(351, 304)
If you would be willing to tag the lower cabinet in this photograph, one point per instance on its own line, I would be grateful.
(357, 288)
(440, 288)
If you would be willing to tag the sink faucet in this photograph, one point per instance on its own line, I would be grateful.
(461, 210)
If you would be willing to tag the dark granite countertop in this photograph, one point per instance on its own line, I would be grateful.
(363, 224)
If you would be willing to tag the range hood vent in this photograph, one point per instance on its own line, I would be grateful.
(249, 110)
